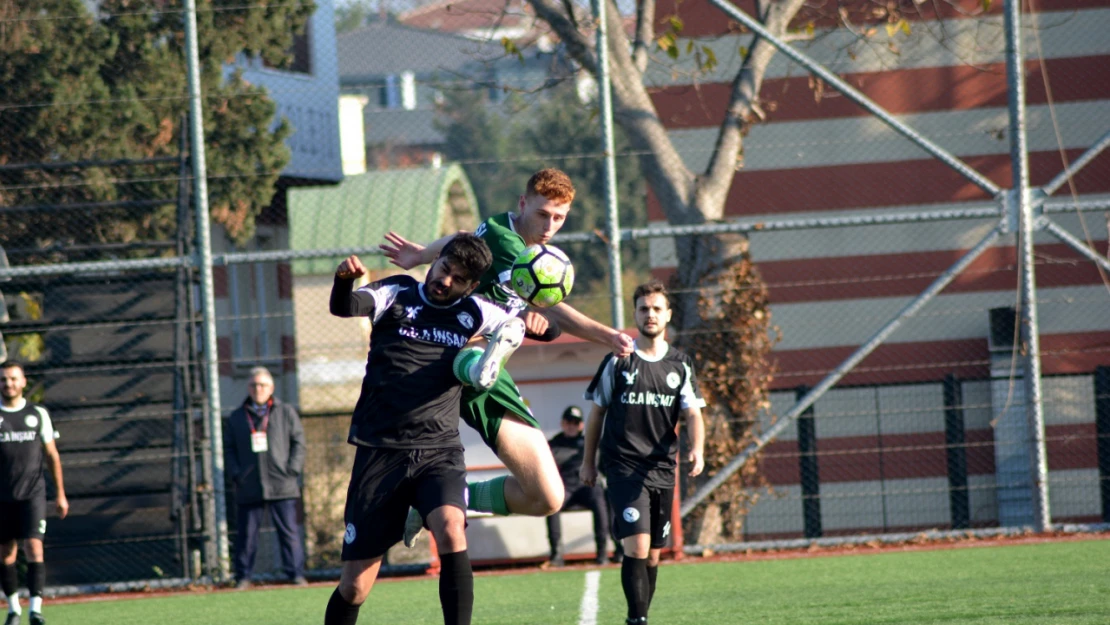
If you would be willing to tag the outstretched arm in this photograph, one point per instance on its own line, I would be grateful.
(575, 323)
(406, 254)
(343, 302)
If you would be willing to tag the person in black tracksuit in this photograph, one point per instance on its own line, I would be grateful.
(568, 447)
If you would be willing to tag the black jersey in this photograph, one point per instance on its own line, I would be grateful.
(23, 432)
(644, 399)
(568, 452)
(410, 396)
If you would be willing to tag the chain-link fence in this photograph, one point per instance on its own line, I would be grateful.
(798, 232)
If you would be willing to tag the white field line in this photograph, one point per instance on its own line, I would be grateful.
(588, 611)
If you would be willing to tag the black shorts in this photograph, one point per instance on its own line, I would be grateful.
(23, 519)
(641, 509)
(385, 483)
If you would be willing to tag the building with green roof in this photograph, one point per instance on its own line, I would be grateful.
(419, 204)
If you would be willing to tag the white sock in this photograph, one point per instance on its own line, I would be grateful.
(13, 604)
(36, 604)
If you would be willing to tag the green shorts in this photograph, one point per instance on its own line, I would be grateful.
(484, 411)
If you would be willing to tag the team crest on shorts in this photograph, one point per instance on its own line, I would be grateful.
(631, 515)
(32, 421)
(673, 380)
(349, 535)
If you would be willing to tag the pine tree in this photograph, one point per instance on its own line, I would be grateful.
(112, 85)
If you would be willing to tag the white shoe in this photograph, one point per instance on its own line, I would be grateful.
(502, 344)
(414, 526)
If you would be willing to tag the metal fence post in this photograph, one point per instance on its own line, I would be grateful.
(1030, 340)
(208, 304)
(605, 101)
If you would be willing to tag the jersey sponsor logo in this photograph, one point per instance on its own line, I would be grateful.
(412, 311)
(433, 335)
(647, 398)
(673, 379)
(629, 377)
(349, 535)
(32, 421)
(17, 437)
(466, 320)
(481, 231)
(631, 515)
(667, 529)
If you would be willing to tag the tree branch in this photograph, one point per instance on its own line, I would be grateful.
(743, 107)
(645, 32)
(579, 46)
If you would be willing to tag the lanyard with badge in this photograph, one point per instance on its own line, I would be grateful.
(258, 436)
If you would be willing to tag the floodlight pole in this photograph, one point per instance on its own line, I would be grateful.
(208, 304)
(1020, 202)
(605, 102)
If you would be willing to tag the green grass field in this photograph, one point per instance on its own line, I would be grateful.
(1043, 584)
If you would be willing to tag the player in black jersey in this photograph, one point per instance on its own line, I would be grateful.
(406, 422)
(639, 400)
(26, 447)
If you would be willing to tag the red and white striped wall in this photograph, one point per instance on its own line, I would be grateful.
(880, 434)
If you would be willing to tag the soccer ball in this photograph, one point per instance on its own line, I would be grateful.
(542, 275)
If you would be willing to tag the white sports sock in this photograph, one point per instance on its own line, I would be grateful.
(13, 604)
(36, 604)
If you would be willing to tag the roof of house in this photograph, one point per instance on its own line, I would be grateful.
(471, 15)
(420, 204)
(378, 49)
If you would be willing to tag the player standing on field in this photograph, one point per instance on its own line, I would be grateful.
(499, 414)
(26, 441)
(639, 401)
(406, 422)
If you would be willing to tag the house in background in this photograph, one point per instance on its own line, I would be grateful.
(254, 301)
(398, 73)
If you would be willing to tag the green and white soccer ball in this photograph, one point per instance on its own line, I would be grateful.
(542, 275)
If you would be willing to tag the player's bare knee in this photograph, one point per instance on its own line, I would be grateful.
(9, 551)
(552, 498)
(448, 525)
(354, 591)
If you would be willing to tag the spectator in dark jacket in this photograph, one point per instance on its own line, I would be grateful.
(265, 447)
(568, 448)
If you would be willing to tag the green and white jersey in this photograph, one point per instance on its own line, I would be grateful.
(505, 244)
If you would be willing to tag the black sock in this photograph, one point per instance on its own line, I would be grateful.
(340, 612)
(9, 580)
(634, 579)
(36, 578)
(652, 574)
(456, 588)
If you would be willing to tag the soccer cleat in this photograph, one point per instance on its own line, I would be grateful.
(37, 618)
(414, 526)
(13, 619)
(502, 344)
